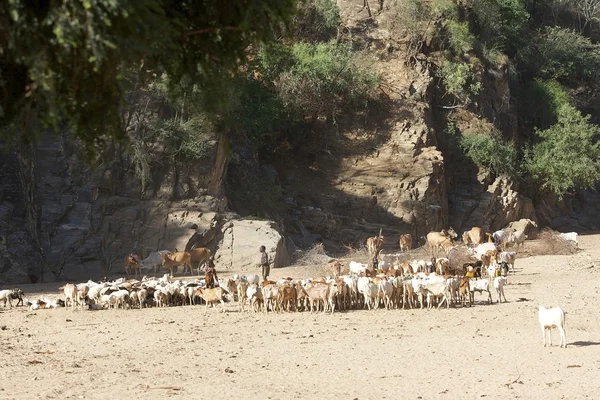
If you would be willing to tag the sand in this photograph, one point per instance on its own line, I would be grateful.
(487, 351)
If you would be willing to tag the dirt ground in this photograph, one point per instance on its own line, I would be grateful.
(487, 351)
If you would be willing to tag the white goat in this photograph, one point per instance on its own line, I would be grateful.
(499, 283)
(552, 318)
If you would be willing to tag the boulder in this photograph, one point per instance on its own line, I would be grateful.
(241, 240)
(526, 225)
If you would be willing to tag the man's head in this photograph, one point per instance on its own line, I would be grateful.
(263, 249)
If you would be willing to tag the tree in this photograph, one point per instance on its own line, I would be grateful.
(69, 63)
(567, 158)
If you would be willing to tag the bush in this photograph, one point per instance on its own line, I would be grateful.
(316, 20)
(561, 54)
(185, 141)
(323, 81)
(491, 152)
(459, 81)
(414, 19)
(567, 156)
(461, 40)
(541, 102)
(501, 23)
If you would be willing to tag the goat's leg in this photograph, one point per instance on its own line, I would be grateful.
(563, 337)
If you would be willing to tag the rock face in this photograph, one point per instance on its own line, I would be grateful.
(241, 240)
(491, 207)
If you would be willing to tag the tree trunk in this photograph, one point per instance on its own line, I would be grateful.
(27, 170)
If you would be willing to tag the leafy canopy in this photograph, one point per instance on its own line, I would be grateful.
(491, 152)
(69, 63)
(568, 156)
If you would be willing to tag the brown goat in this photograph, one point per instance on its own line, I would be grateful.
(406, 242)
(133, 262)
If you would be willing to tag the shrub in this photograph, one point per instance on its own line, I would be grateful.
(501, 23)
(316, 20)
(567, 156)
(541, 102)
(491, 152)
(459, 81)
(323, 81)
(461, 40)
(561, 54)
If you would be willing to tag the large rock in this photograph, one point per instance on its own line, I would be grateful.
(529, 227)
(239, 246)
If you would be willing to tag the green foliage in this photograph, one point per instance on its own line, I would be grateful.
(461, 40)
(323, 81)
(500, 23)
(567, 156)
(459, 81)
(491, 152)
(561, 54)
(65, 62)
(494, 56)
(316, 20)
(184, 140)
(254, 110)
(542, 101)
(415, 19)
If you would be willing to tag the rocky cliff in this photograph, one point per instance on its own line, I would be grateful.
(64, 219)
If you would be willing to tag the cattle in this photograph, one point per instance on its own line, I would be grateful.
(198, 255)
(154, 260)
(171, 261)
(406, 243)
(552, 318)
(473, 236)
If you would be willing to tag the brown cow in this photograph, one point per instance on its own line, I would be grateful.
(406, 242)
(133, 262)
(374, 244)
(171, 261)
(475, 236)
(198, 255)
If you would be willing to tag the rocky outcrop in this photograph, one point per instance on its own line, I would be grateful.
(241, 239)
(492, 208)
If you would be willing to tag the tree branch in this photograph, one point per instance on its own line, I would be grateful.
(212, 29)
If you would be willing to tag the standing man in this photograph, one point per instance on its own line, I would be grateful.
(264, 262)
(211, 274)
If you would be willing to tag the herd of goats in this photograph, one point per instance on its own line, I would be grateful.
(388, 284)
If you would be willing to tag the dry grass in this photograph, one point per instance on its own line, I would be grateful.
(548, 243)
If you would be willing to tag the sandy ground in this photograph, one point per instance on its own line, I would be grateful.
(487, 351)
